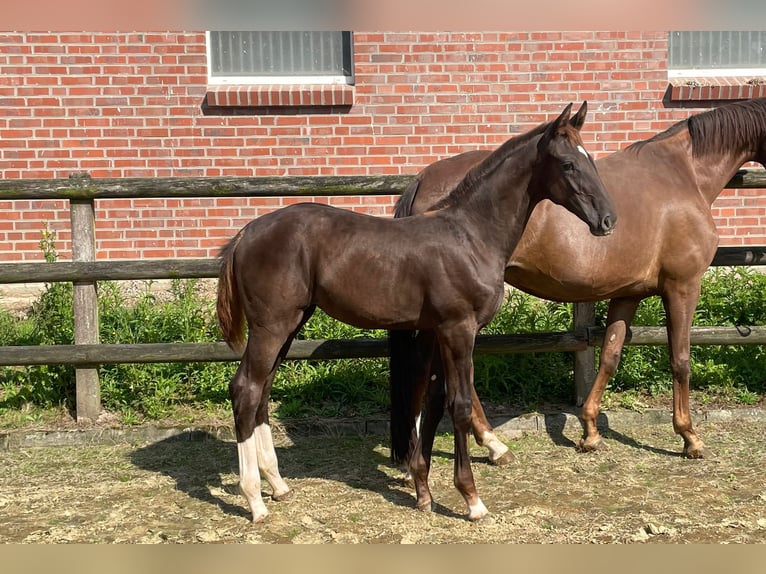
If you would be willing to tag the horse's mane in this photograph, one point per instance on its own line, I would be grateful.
(733, 126)
(480, 171)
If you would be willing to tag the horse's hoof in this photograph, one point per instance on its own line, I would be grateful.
(698, 452)
(485, 519)
(477, 511)
(586, 445)
(282, 496)
(261, 517)
(504, 459)
(424, 507)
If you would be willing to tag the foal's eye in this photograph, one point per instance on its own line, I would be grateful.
(568, 166)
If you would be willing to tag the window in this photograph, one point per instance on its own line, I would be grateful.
(706, 53)
(280, 58)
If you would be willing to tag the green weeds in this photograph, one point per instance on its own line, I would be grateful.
(185, 313)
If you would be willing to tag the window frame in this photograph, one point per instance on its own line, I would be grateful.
(278, 80)
(703, 72)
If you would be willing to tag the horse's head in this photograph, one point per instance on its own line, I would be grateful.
(567, 175)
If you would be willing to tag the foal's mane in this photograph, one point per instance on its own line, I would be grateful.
(733, 126)
(466, 187)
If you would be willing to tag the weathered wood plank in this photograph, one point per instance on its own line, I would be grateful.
(562, 342)
(83, 187)
(742, 335)
(118, 270)
(584, 315)
(85, 309)
(748, 178)
(114, 270)
(301, 349)
(747, 255)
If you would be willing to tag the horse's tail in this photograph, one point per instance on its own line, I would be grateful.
(402, 363)
(403, 206)
(229, 306)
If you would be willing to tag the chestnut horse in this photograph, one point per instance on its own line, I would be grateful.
(442, 272)
(663, 189)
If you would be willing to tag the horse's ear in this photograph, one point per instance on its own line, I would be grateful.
(578, 119)
(561, 121)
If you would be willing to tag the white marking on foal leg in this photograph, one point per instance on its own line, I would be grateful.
(267, 461)
(407, 474)
(250, 477)
(495, 446)
(477, 511)
(406, 467)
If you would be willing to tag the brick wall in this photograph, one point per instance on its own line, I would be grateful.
(137, 105)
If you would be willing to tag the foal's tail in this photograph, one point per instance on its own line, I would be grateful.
(229, 307)
(402, 364)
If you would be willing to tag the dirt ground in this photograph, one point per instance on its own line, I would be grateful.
(640, 490)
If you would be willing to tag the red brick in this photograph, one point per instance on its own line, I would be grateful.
(132, 106)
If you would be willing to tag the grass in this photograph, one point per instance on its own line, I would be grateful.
(342, 388)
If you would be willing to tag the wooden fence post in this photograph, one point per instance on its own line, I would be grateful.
(83, 221)
(584, 361)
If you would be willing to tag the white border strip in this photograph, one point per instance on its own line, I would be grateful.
(716, 72)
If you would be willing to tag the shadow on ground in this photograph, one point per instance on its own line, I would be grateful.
(201, 463)
(204, 464)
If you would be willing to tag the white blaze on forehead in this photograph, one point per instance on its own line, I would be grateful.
(582, 151)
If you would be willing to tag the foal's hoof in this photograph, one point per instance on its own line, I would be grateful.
(477, 512)
(260, 517)
(586, 445)
(700, 451)
(502, 460)
(282, 496)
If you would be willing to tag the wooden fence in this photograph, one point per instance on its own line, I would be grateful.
(86, 354)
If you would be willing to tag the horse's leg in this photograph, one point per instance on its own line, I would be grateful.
(456, 346)
(425, 343)
(680, 300)
(618, 319)
(245, 392)
(499, 453)
(264, 441)
(249, 394)
(420, 460)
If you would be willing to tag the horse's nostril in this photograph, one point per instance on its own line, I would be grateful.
(606, 222)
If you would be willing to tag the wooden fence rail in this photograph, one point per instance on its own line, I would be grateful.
(579, 339)
(84, 272)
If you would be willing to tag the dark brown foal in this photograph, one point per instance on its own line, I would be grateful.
(441, 272)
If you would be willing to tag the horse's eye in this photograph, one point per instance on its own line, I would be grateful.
(568, 166)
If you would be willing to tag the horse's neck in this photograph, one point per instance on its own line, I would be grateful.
(713, 172)
(500, 206)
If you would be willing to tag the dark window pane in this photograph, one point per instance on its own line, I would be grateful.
(280, 53)
(716, 50)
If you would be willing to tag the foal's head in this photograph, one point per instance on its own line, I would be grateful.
(566, 174)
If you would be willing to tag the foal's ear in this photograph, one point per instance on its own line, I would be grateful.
(578, 119)
(562, 120)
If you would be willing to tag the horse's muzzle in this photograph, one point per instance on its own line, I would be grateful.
(605, 225)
